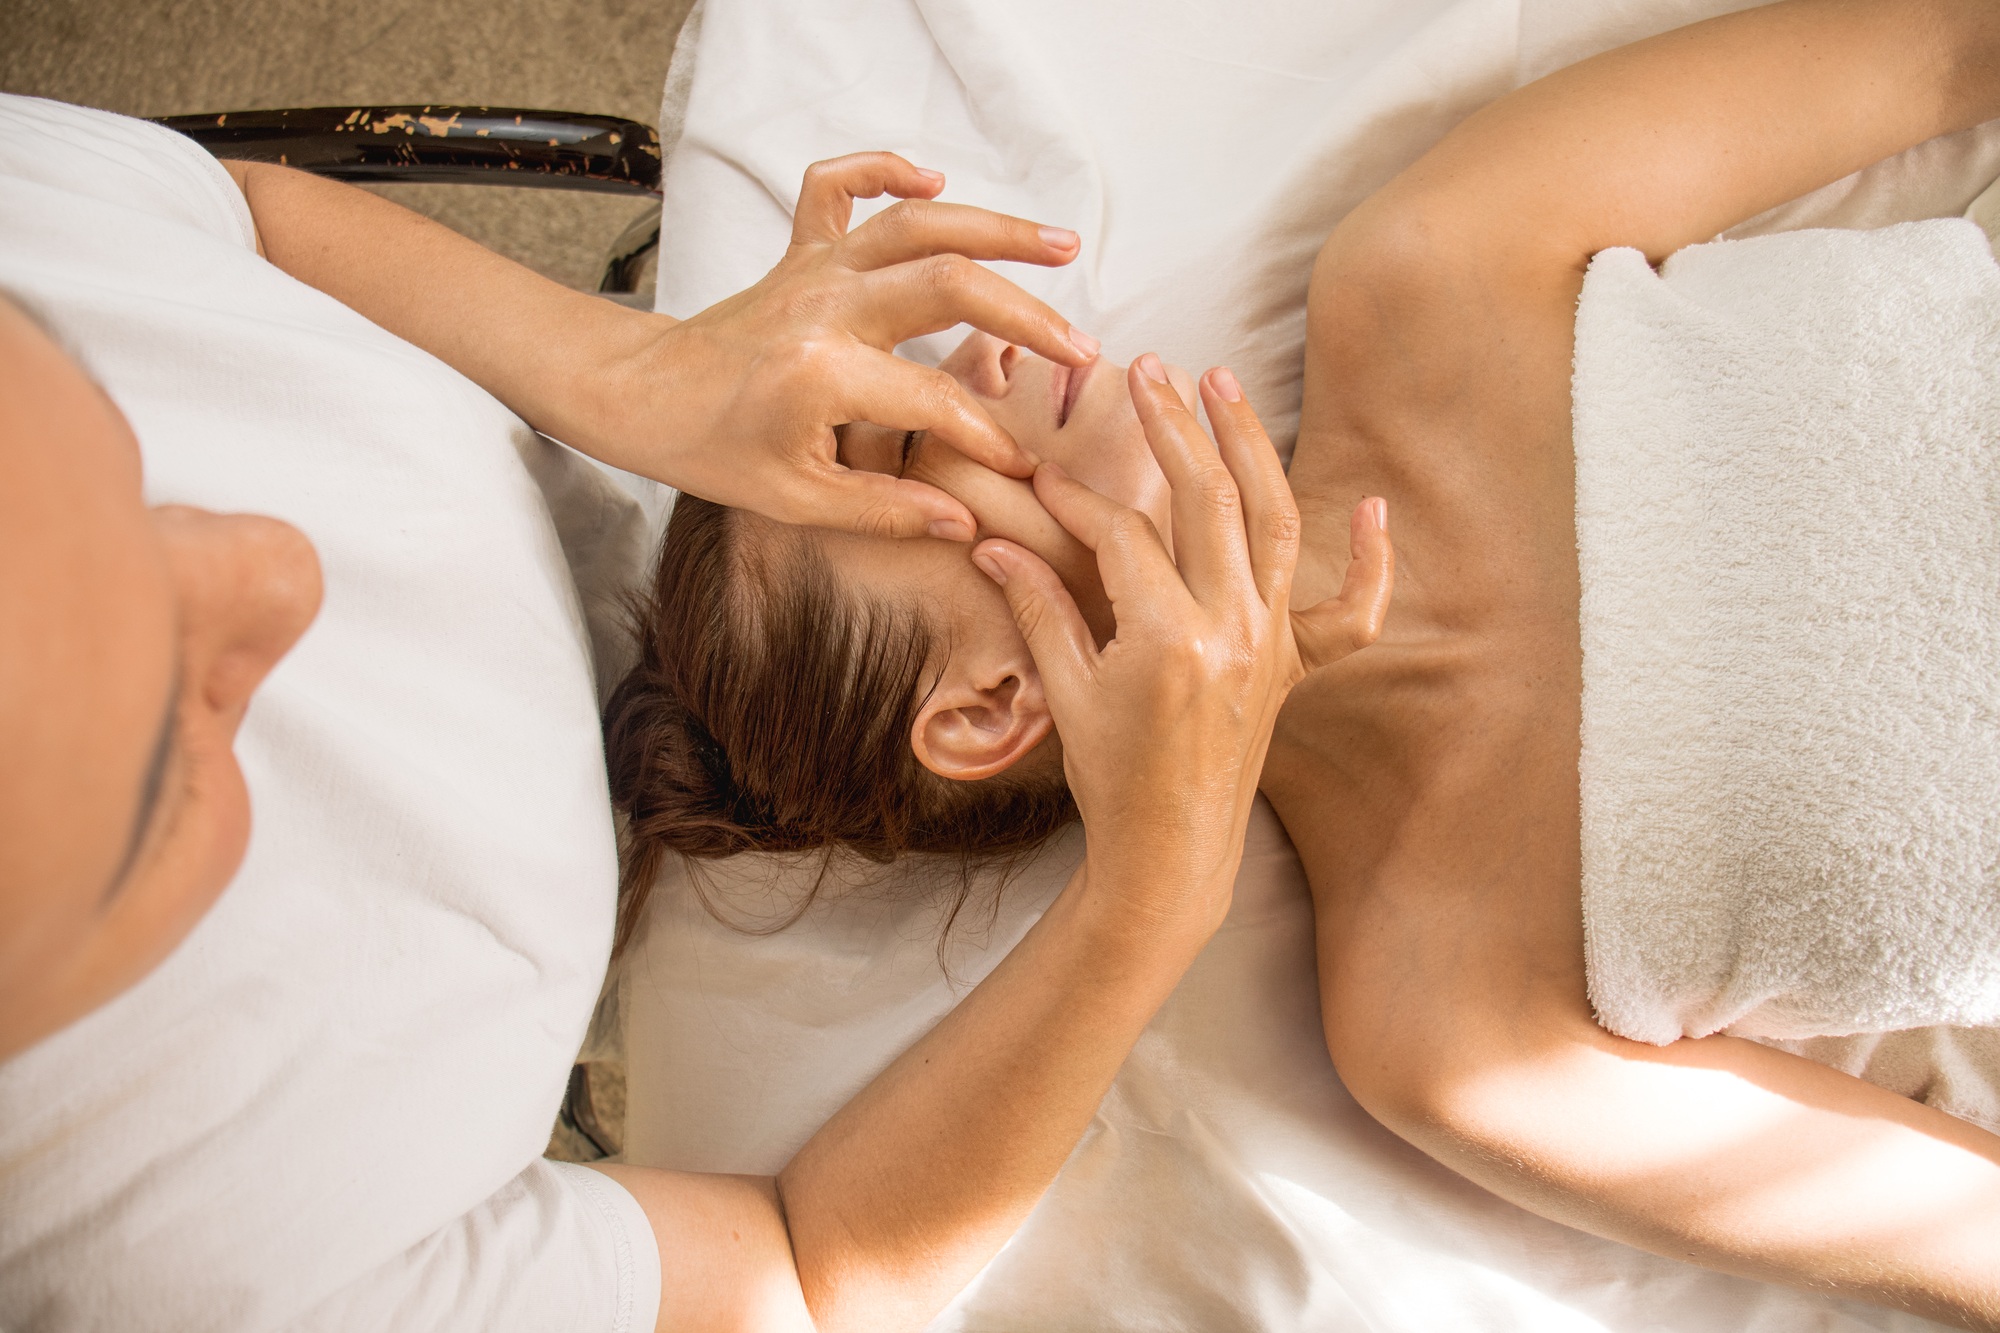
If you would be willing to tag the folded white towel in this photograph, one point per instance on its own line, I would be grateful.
(1788, 527)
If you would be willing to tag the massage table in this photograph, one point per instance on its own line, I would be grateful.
(1203, 151)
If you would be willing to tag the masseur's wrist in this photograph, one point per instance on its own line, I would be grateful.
(1157, 899)
(609, 387)
(571, 364)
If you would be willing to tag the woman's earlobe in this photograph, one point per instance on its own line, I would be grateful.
(966, 731)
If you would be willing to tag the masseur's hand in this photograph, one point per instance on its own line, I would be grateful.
(739, 403)
(1164, 729)
(1352, 619)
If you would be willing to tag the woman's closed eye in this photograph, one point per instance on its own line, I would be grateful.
(868, 448)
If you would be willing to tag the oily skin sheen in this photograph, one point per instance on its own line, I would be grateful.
(987, 710)
(1089, 431)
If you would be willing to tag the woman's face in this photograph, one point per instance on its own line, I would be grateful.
(1082, 420)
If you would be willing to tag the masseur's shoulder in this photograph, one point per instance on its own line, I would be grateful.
(52, 152)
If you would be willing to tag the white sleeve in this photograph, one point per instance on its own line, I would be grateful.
(558, 1248)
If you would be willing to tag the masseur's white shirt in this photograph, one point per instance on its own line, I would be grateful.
(326, 1109)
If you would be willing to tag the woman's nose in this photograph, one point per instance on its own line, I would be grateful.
(983, 364)
(247, 587)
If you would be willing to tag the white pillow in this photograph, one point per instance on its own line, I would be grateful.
(333, 1097)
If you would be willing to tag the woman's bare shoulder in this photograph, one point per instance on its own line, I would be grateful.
(1438, 377)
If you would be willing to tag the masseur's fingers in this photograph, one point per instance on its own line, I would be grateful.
(1139, 576)
(873, 504)
(1352, 620)
(901, 395)
(1064, 652)
(1208, 512)
(826, 200)
(917, 229)
(930, 295)
(1270, 513)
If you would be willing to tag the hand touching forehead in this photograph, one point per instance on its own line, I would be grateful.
(1081, 419)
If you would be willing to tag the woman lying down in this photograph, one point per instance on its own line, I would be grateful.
(803, 689)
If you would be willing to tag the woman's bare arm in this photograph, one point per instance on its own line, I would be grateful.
(1431, 783)
(1443, 304)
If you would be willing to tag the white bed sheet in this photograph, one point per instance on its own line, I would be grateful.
(1204, 150)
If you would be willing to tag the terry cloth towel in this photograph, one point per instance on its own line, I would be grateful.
(1788, 531)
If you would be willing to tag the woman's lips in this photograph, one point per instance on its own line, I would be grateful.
(1069, 388)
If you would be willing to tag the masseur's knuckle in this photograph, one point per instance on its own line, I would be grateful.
(1213, 490)
(806, 366)
(1279, 524)
(1031, 613)
(935, 394)
(906, 219)
(808, 304)
(878, 519)
(1184, 655)
(1126, 530)
(949, 276)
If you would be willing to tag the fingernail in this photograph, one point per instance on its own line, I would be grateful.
(1083, 342)
(949, 529)
(1150, 367)
(1223, 380)
(934, 177)
(990, 567)
(1054, 470)
(1060, 238)
(1378, 509)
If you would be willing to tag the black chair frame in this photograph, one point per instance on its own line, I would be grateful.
(465, 145)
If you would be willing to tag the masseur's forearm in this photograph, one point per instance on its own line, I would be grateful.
(739, 403)
(920, 1179)
(537, 346)
(900, 1199)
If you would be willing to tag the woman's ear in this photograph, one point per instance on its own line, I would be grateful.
(980, 722)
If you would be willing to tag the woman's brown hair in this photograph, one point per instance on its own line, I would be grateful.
(770, 710)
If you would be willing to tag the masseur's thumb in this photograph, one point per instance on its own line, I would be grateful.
(1055, 630)
(1350, 621)
(875, 504)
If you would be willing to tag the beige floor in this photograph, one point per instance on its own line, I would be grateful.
(161, 57)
